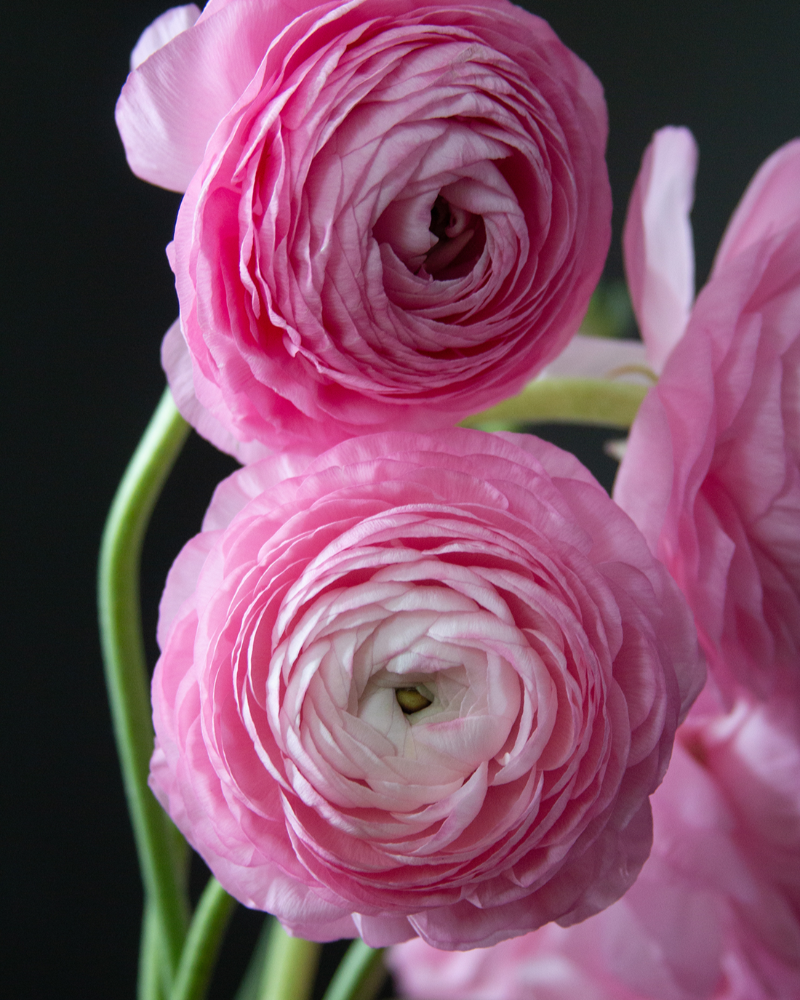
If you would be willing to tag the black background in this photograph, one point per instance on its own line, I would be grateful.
(87, 296)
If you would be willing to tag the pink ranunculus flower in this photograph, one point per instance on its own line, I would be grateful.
(421, 685)
(395, 210)
(712, 470)
(714, 914)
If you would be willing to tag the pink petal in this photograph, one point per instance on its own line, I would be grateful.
(600, 358)
(770, 203)
(182, 580)
(659, 255)
(177, 363)
(172, 103)
(166, 27)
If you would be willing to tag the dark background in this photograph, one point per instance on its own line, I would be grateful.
(87, 296)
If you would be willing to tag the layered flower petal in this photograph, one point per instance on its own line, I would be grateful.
(394, 211)
(712, 470)
(714, 914)
(419, 685)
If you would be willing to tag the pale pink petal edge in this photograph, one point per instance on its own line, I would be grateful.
(770, 204)
(172, 102)
(658, 243)
(166, 27)
(601, 358)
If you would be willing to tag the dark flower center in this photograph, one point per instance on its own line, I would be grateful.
(461, 237)
(411, 700)
(441, 218)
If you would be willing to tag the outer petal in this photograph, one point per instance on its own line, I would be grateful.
(171, 104)
(659, 253)
(177, 364)
(770, 204)
(166, 27)
(711, 473)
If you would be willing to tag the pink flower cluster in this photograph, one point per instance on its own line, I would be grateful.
(424, 682)
(715, 913)
(712, 470)
(711, 476)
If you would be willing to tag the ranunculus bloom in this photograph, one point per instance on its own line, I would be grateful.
(425, 686)
(712, 470)
(714, 914)
(395, 210)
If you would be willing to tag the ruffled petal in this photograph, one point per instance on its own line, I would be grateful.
(177, 363)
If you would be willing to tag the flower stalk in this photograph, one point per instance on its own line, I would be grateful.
(566, 400)
(289, 968)
(360, 974)
(150, 981)
(203, 942)
(128, 685)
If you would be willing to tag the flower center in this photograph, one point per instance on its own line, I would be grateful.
(411, 700)
(461, 238)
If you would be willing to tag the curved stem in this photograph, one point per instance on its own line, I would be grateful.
(127, 676)
(360, 974)
(203, 943)
(566, 400)
(289, 968)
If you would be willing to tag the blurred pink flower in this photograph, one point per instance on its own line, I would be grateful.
(714, 914)
(712, 470)
(753, 755)
(423, 684)
(395, 211)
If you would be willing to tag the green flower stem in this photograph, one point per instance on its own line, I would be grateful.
(203, 943)
(289, 968)
(360, 974)
(566, 400)
(127, 676)
(150, 981)
(251, 983)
